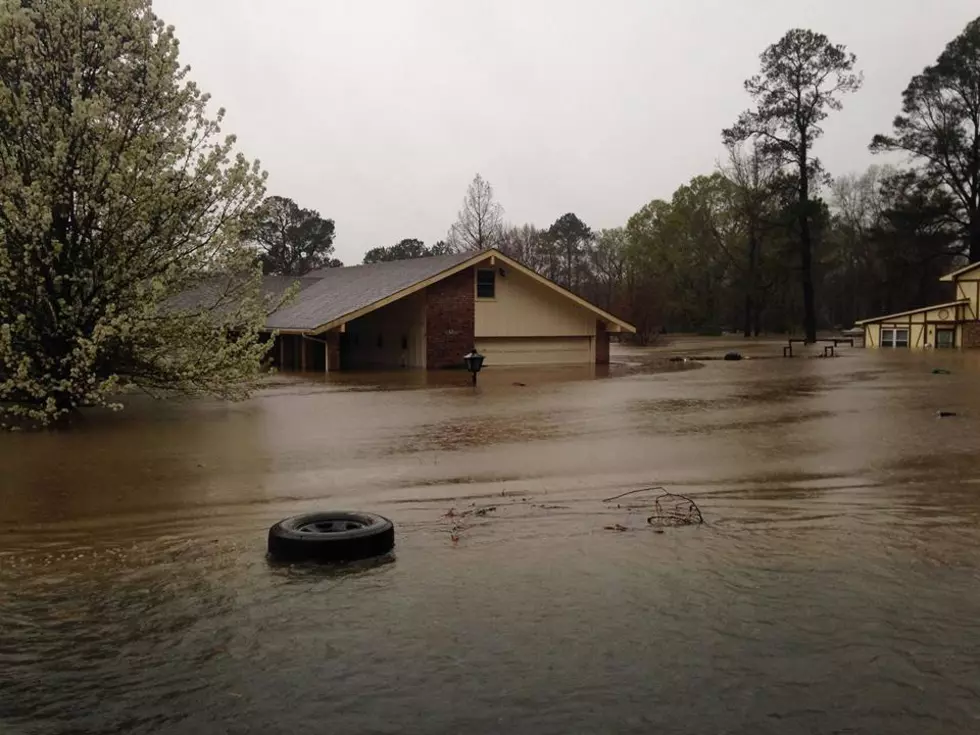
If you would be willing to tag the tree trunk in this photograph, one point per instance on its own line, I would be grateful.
(975, 237)
(750, 281)
(806, 250)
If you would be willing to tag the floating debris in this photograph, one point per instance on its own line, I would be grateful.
(945, 414)
(669, 509)
(941, 371)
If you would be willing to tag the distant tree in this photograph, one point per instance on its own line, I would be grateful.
(402, 250)
(291, 241)
(117, 195)
(607, 267)
(802, 78)
(527, 244)
(753, 174)
(570, 237)
(940, 127)
(441, 247)
(479, 224)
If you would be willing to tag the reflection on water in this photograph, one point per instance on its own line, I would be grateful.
(834, 589)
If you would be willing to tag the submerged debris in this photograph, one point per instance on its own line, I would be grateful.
(941, 371)
(945, 414)
(456, 519)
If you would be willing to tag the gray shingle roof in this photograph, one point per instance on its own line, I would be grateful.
(218, 293)
(332, 293)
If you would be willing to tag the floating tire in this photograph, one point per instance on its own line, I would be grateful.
(331, 537)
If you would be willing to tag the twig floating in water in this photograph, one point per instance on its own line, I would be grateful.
(633, 492)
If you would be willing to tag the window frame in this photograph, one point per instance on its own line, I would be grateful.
(493, 284)
(952, 337)
(894, 341)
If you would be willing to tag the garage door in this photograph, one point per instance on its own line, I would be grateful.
(503, 351)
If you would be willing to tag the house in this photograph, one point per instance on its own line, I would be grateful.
(429, 312)
(953, 324)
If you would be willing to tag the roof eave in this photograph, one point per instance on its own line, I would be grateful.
(616, 324)
(910, 312)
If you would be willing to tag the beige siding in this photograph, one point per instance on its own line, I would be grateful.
(916, 329)
(523, 307)
(509, 351)
(970, 290)
(872, 335)
(393, 336)
(917, 335)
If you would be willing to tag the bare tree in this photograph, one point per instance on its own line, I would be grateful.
(479, 224)
(527, 244)
(754, 174)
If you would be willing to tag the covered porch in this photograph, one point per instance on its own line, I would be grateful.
(391, 337)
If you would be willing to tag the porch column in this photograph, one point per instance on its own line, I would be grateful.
(332, 347)
(601, 343)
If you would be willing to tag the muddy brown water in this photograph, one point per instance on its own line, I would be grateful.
(836, 588)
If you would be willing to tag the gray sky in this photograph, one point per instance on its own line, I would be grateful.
(378, 114)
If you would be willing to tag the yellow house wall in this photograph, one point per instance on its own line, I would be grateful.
(872, 335)
(969, 290)
(522, 307)
(403, 319)
(922, 326)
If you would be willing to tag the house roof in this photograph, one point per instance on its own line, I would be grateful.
(950, 277)
(339, 292)
(330, 297)
(220, 293)
(887, 317)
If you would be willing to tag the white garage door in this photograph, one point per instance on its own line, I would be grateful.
(503, 351)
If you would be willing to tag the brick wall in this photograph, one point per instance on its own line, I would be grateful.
(601, 344)
(971, 334)
(450, 316)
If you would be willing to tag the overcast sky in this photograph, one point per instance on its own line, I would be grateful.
(378, 114)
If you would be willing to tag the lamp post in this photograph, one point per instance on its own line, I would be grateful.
(474, 363)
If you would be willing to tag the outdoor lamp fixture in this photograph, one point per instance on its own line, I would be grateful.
(474, 363)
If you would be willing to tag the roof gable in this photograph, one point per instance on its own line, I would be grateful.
(338, 292)
(959, 273)
(339, 295)
(920, 310)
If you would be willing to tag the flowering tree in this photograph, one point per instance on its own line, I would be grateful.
(118, 198)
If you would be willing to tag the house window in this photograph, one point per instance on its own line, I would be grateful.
(485, 283)
(894, 338)
(945, 338)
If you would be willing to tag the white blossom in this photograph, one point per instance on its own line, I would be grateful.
(117, 194)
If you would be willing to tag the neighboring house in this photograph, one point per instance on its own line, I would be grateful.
(429, 312)
(954, 324)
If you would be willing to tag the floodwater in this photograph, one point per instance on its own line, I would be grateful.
(834, 589)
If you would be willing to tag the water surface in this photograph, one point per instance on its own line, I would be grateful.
(836, 587)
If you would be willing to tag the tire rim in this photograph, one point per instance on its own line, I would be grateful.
(332, 526)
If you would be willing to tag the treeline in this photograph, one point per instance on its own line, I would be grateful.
(769, 241)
